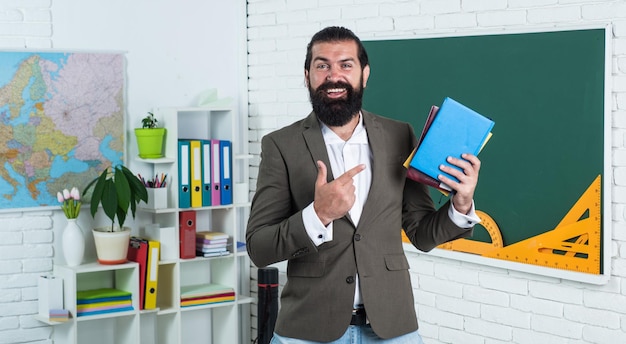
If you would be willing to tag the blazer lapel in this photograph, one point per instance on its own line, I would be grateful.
(312, 134)
(375, 135)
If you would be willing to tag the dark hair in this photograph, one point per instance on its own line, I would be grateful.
(335, 34)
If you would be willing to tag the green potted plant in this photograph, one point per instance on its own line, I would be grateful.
(150, 138)
(117, 189)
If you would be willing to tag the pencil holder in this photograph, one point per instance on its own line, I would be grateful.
(157, 198)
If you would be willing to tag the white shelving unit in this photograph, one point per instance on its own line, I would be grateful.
(120, 327)
(218, 323)
(213, 323)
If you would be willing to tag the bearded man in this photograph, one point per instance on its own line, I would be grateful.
(332, 198)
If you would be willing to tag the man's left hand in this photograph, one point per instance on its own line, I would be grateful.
(468, 179)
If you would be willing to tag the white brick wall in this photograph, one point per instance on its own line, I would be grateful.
(461, 302)
(456, 303)
(26, 239)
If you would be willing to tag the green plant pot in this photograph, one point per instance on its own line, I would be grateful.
(150, 142)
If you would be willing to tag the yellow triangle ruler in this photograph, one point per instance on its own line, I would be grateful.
(574, 244)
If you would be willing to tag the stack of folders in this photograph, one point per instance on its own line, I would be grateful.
(450, 130)
(212, 244)
(103, 300)
(204, 172)
(146, 254)
(204, 294)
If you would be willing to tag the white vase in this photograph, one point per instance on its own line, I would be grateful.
(73, 243)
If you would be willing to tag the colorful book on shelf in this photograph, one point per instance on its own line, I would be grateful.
(212, 300)
(203, 246)
(211, 235)
(203, 290)
(196, 295)
(211, 241)
(212, 254)
(102, 300)
(205, 249)
(227, 294)
(103, 311)
(59, 315)
(105, 304)
(454, 130)
(102, 294)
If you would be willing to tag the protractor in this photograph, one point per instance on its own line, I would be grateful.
(479, 247)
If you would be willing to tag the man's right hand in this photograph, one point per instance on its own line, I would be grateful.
(333, 200)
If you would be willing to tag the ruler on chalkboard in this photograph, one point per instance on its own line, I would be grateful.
(479, 247)
(574, 244)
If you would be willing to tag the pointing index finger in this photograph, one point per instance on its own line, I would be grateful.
(347, 176)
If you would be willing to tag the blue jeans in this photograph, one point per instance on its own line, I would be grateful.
(356, 335)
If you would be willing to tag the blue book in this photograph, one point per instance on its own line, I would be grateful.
(455, 130)
(105, 311)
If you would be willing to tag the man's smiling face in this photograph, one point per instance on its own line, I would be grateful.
(336, 81)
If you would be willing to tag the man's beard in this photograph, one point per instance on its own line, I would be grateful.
(336, 112)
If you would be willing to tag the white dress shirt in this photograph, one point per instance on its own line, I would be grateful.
(343, 156)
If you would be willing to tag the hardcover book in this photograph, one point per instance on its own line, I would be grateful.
(455, 129)
(419, 176)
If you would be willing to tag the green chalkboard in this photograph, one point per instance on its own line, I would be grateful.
(545, 92)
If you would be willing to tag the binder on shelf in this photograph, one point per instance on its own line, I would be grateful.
(152, 274)
(184, 192)
(216, 198)
(138, 252)
(206, 173)
(455, 129)
(196, 173)
(226, 180)
(187, 237)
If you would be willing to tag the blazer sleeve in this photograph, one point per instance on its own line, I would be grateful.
(426, 227)
(275, 230)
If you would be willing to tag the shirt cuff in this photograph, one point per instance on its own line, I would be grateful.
(316, 230)
(464, 221)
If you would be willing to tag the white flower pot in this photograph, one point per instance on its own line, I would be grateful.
(111, 247)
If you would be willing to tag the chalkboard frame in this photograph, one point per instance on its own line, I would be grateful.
(603, 138)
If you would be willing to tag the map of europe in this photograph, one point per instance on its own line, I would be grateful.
(61, 123)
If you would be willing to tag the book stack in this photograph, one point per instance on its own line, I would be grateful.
(212, 244)
(450, 130)
(59, 315)
(204, 294)
(103, 300)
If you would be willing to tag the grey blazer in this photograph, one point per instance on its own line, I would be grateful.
(317, 300)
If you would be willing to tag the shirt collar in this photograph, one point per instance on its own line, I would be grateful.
(359, 136)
